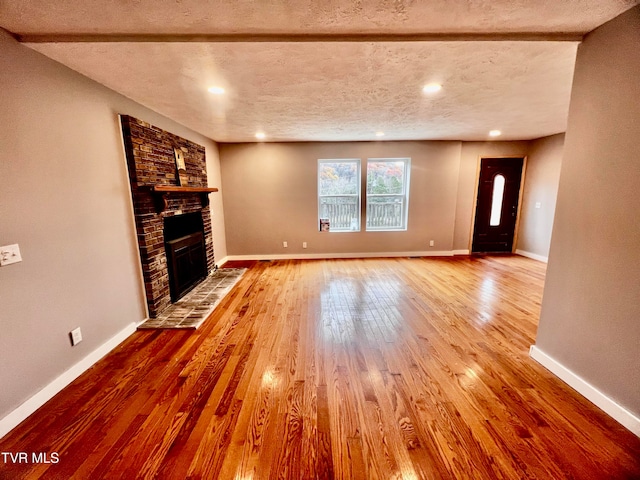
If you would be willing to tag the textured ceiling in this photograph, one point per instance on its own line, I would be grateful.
(343, 86)
(305, 16)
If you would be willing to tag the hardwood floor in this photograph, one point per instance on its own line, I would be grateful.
(372, 369)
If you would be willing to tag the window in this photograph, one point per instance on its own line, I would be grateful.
(339, 194)
(496, 201)
(387, 193)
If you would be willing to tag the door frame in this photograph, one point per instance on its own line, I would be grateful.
(520, 198)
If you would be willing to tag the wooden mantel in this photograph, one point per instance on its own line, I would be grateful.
(164, 191)
(176, 189)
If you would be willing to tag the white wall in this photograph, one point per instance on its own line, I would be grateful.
(590, 318)
(64, 198)
(539, 196)
(216, 205)
(270, 196)
(271, 192)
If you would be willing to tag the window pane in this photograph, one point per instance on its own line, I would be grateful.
(339, 194)
(387, 193)
(496, 201)
(338, 178)
(385, 177)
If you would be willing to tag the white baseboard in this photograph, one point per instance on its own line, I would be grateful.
(14, 418)
(222, 261)
(535, 256)
(461, 252)
(591, 393)
(328, 256)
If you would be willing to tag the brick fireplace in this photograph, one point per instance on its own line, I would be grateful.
(160, 194)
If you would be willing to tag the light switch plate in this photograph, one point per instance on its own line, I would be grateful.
(76, 336)
(10, 254)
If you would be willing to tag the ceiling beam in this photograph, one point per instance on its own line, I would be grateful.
(301, 37)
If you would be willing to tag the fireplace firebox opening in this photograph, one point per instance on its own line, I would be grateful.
(186, 252)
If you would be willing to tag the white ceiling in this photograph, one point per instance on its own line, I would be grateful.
(331, 70)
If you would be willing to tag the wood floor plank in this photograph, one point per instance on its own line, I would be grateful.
(336, 369)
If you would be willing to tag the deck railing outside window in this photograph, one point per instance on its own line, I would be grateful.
(384, 212)
(342, 212)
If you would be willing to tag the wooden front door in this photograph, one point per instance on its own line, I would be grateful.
(497, 204)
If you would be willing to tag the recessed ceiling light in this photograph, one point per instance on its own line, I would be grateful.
(495, 133)
(379, 134)
(432, 88)
(216, 90)
(260, 135)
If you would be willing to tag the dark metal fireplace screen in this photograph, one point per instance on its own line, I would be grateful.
(186, 254)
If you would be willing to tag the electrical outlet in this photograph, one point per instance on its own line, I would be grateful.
(10, 254)
(538, 204)
(76, 336)
(285, 244)
(431, 243)
(304, 244)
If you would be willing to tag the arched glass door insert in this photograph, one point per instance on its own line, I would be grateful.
(496, 201)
